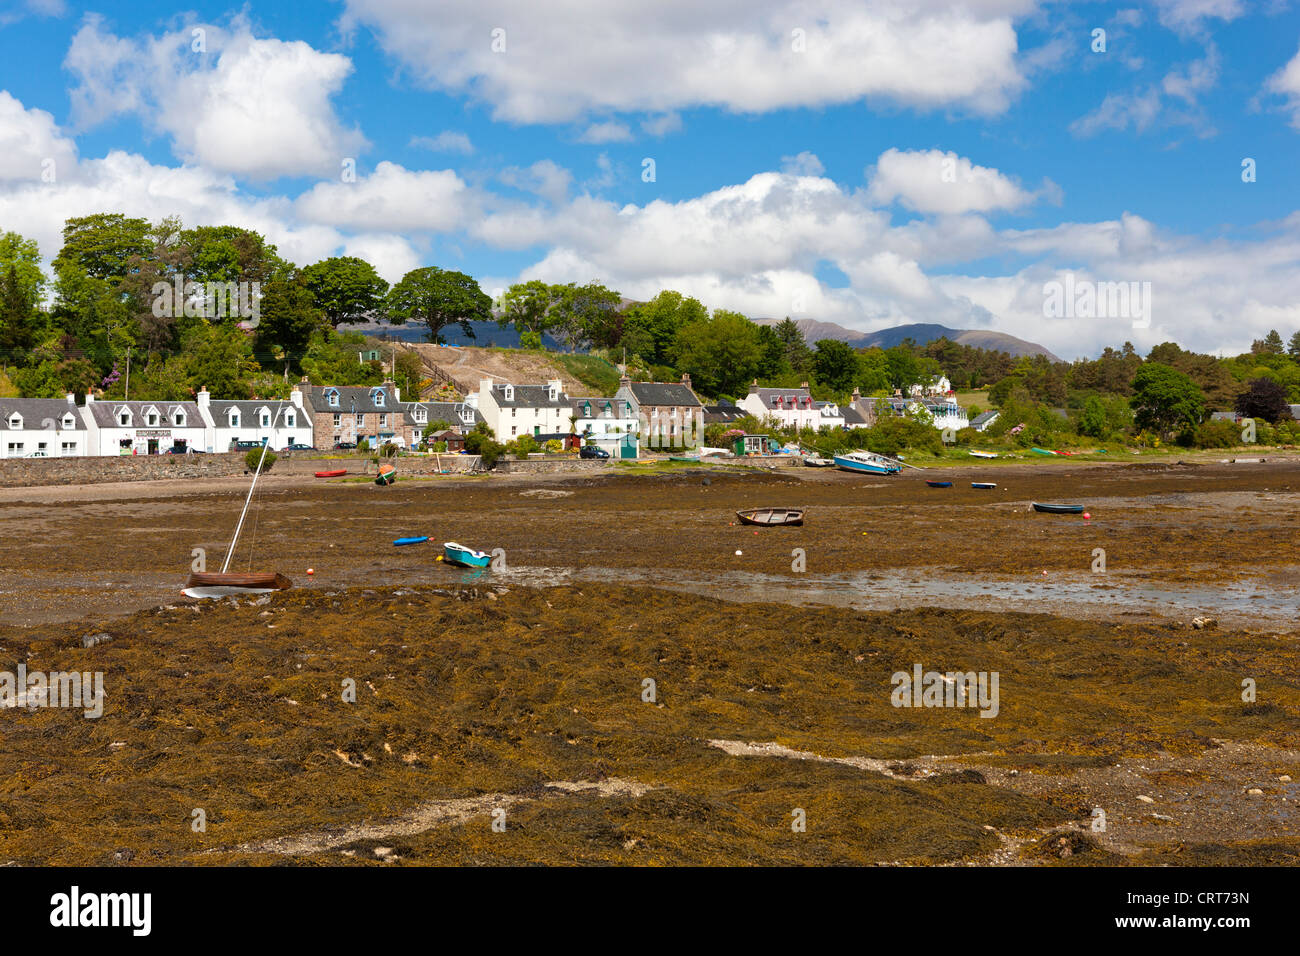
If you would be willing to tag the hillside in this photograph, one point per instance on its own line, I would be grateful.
(921, 333)
(466, 366)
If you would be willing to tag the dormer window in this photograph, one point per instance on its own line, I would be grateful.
(553, 393)
(179, 419)
(151, 417)
(234, 418)
(266, 418)
(289, 420)
(421, 414)
(332, 397)
(378, 396)
(15, 420)
(68, 420)
(508, 393)
(124, 418)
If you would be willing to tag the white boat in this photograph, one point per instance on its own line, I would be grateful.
(867, 462)
(816, 461)
(983, 454)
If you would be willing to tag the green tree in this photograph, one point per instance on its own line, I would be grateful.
(527, 306)
(1293, 346)
(219, 356)
(16, 314)
(1092, 421)
(231, 254)
(1270, 344)
(794, 346)
(24, 256)
(102, 244)
(1166, 400)
(836, 364)
(722, 354)
(650, 328)
(345, 288)
(586, 313)
(288, 317)
(438, 298)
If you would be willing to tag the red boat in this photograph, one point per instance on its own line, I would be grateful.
(332, 474)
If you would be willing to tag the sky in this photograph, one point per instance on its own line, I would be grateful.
(859, 162)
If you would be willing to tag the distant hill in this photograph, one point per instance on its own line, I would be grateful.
(486, 334)
(920, 333)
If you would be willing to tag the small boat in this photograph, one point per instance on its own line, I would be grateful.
(458, 554)
(683, 458)
(1042, 451)
(984, 485)
(420, 539)
(215, 584)
(938, 484)
(336, 473)
(867, 462)
(770, 517)
(816, 461)
(387, 475)
(224, 583)
(1058, 509)
(982, 454)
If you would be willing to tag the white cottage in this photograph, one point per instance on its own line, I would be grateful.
(283, 422)
(514, 410)
(41, 428)
(143, 428)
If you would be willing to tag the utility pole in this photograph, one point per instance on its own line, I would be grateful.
(126, 389)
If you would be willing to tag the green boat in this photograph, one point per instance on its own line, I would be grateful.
(683, 458)
(387, 475)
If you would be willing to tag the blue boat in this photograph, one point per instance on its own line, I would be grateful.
(458, 554)
(867, 462)
(938, 484)
(984, 485)
(415, 540)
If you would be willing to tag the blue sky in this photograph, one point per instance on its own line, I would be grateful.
(866, 163)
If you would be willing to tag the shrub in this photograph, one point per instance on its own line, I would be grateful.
(255, 455)
(363, 445)
(388, 450)
(523, 446)
(1217, 434)
(554, 446)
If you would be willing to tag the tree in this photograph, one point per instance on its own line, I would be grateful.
(102, 244)
(1264, 398)
(15, 317)
(345, 288)
(721, 355)
(438, 298)
(794, 346)
(836, 364)
(1270, 344)
(231, 254)
(586, 313)
(653, 325)
(1166, 400)
(218, 355)
(1293, 346)
(24, 256)
(288, 317)
(527, 306)
(1092, 421)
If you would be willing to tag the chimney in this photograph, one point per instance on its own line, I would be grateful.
(624, 380)
(686, 379)
(90, 398)
(753, 387)
(856, 393)
(803, 384)
(203, 397)
(72, 399)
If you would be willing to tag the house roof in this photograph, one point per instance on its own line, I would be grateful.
(663, 393)
(983, 418)
(768, 397)
(105, 413)
(444, 411)
(36, 411)
(359, 399)
(722, 412)
(529, 396)
(852, 416)
(621, 407)
(220, 408)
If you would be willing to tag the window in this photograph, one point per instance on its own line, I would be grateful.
(179, 418)
(69, 448)
(151, 419)
(514, 430)
(514, 412)
(124, 419)
(234, 419)
(361, 420)
(15, 420)
(338, 419)
(40, 446)
(333, 398)
(379, 398)
(289, 422)
(266, 419)
(68, 421)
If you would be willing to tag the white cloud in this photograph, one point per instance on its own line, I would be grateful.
(802, 164)
(932, 181)
(448, 141)
(392, 198)
(31, 144)
(608, 132)
(1119, 111)
(1189, 16)
(559, 64)
(253, 107)
(1286, 82)
(662, 125)
(543, 178)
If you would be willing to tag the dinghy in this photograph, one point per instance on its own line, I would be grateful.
(464, 557)
(984, 485)
(1058, 509)
(418, 539)
(387, 475)
(224, 583)
(938, 484)
(336, 473)
(771, 517)
(982, 454)
(816, 461)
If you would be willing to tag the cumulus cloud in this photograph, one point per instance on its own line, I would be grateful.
(1189, 16)
(392, 198)
(1286, 83)
(229, 101)
(931, 181)
(32, 147)
(802, 164)
(533, 63)
(608, 132)
(544, 178)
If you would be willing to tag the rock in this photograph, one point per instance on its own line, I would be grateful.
(1161, 816)
(1145, 799)
(1204, 622)
(123, 856)
(1285, 778)
(1255, 792)
(90, 640)
(383, 852)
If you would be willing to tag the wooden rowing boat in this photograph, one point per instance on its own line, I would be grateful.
(983, 485)
(771, 517)
(1052, 509)
(336, 473)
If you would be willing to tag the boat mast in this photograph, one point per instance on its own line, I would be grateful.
(230, 552)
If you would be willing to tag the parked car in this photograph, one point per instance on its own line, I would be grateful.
(38, 454)
(182, 451)
(344, 445)
(591, 451)
(298, 446)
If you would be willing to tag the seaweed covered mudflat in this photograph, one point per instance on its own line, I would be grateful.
(477, 722)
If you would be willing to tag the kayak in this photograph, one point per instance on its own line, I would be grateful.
(414, 540)
(938, 484)
(332, 474)
(1058, 509)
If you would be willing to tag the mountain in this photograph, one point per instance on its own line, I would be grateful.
(920, 333)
